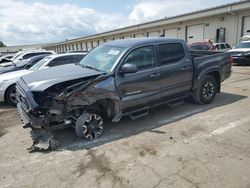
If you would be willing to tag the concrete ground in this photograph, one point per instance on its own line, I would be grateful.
(185, 146)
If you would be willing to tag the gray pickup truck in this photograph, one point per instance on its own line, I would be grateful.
(116, 79)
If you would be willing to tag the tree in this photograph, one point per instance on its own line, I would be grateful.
(2, 44)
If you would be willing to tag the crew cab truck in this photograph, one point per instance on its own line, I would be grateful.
(116, 79)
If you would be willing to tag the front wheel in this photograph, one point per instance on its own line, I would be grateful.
(206, 90)
(89, 126)
(10, 95)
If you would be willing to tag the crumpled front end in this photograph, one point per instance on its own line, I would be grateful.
(31, 118)
(62, 104)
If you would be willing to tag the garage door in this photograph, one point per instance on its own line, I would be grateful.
(117, 38)
(89, 46)
(127, 37)
(95, 44)
(101, 41)
(139, 35)
(153, 34)
(195, 33)
(107, 40)
(246, 25)
(171, 33)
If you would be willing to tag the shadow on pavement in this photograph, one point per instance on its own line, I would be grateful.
(127, 127)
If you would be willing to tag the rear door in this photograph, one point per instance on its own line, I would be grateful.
(140, 88)
(176, 69)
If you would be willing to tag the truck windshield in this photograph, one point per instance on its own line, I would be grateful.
(102, 57)
(243, 45)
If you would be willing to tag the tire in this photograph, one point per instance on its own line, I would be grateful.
(10, 95)
(89, 126)
(206, 90)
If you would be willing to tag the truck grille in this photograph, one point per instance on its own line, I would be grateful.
(21, 96)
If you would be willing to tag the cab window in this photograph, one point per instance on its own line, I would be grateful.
(142, 57)
(171, 53)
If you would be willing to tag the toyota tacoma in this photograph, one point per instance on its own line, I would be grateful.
(116, 79)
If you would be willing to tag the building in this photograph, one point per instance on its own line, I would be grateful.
(226, 23)
(14, 49)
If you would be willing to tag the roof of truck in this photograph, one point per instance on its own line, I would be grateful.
(127, 43)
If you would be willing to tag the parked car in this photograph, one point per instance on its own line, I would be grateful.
(8, 80)
(201, 46)
(24, 64)
(245, 38)
(222, 47)
(5, 58)
(116, 79)
(241, 53)
(23, 55)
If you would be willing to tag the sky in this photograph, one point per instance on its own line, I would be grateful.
(49, 21)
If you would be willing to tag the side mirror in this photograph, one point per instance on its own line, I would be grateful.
(128, 68)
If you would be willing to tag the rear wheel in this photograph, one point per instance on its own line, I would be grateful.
(89, 126)
(10, 95)
(206, 90)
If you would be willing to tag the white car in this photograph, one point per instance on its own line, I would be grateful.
(8, 80)
(222, 46)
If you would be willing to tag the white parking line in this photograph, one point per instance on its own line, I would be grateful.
(223, 129)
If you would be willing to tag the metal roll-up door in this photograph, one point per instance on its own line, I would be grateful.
(246, 25)
(195, 33)
(95, 44)
(139, 35)
(171, 33)
(153, 34)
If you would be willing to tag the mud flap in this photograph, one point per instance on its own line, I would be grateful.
(43, 140)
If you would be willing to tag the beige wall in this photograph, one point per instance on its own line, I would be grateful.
(231, 21)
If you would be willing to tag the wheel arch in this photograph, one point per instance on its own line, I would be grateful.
(108, 105)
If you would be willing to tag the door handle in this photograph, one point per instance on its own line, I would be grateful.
(155, 75)
(185, 68)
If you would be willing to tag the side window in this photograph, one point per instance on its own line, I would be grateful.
(142, 57)
(77, 58)
(171, 53)
(227, 45)
(222, 46)
(60, 61)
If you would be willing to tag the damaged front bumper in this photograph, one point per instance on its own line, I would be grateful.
(42, 139)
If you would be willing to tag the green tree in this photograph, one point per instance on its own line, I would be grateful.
(2, 44)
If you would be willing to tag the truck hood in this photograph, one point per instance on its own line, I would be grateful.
(42, 79)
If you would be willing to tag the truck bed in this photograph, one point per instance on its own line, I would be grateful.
(212, 60)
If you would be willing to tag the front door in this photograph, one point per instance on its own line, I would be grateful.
(140, 88)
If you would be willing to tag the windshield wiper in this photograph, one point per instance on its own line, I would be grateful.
(89, 67)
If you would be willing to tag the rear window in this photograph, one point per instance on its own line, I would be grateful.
(171, 53)
(34, 54)
(206, 47)
(197, 47)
